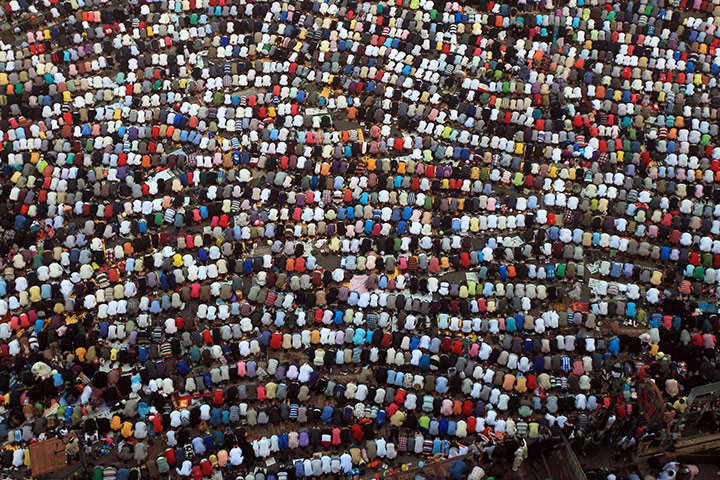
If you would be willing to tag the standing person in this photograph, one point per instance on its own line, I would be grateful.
(72, 450)
(520, 454)
(624, 445)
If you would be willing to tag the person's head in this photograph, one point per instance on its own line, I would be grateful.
(685, 473)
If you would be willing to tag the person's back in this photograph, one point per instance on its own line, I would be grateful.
(669, 472)
(688, 472)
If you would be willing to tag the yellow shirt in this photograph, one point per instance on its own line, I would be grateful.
(127, 429)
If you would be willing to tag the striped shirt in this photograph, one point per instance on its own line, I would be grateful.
(372, 320)
(270, 299)
(427, 447)
(412, 264)
(565, 363)
(582, 421)
(157, 335)
(360, 168)
(102, 280)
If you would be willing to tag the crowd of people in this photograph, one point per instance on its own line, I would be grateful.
(291, 239)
